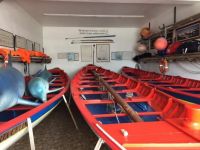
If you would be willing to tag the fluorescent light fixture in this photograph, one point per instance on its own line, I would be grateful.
(97, 16)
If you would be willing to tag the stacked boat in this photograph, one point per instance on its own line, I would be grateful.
(179, 87)
(15, 111)
(131, 114)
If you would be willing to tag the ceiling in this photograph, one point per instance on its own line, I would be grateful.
(97, 13)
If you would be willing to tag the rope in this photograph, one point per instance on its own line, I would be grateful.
(115, 110)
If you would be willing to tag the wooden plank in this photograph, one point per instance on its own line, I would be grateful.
(174, 57)
(33, 59)
(133, 114)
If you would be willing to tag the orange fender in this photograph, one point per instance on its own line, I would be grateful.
(163, 65)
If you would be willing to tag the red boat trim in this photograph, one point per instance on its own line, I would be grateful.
(174, 116)
(22, 118)
(110, 137)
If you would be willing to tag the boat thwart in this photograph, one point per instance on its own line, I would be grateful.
(161, 121)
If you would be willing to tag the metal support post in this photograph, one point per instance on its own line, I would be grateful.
(30, 131)
(65, 100)
(99, 144)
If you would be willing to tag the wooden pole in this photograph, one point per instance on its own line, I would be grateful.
(174, 15)
(174, 30)
(133, 114)
(88, 37)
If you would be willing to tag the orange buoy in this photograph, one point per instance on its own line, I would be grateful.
(145, 33)
(160, 43)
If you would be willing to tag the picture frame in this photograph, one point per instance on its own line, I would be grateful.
(20, 42)
(116, 55)
(36, 46)
(102, 52)
(121, 55)
(61, 55)
(86, 53)
(6, 39)
(29, 44)
(72, 56)
(76, 56)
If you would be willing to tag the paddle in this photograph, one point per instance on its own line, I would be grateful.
(133, 114)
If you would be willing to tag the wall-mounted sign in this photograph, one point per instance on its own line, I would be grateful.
(102, 52)
(116, 56)
(93, 31)
(62, 55)
(121, 55)
(6, 39)
(92, 41)
(36, 46)
(86, 53)
(29, 45)
(20, 42)
(73, 56)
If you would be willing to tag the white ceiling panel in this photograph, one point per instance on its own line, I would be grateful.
(97, 13)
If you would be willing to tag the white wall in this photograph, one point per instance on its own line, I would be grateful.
(54, 42)
(167, 17)
(17, 21)
(185, 69)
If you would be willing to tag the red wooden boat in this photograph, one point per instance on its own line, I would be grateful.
(179, 87)
(13, 121)
(128, 114)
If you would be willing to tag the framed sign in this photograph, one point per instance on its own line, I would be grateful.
(121, 55)
(36, 46)
(86, 53)
(6, 39)
(29, 45)
(73, 56)
(116, 55)
(103, 52)
(20, 42)
(62, 55)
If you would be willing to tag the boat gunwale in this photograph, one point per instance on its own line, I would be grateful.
(173, 90)
(6, 126)
(91, 120)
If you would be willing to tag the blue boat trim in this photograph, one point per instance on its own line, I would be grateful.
(44, 111)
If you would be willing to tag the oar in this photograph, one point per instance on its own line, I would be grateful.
(86, 37)
(117, 98)
(78, 42)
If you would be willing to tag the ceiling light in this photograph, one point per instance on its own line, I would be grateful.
(97, 16)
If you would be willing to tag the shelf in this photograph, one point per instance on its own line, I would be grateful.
(188, 21)
(40, 60)
(33, 59)
(174, 57)
(178, 26)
